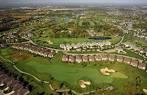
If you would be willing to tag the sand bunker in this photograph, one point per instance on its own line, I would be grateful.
(106, 71)
(145, 91)
(50, 86)
(84, 84)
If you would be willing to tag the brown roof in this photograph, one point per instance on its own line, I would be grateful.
(71, 58)
(98, 57)
(85, 58)
(127, 60)
(112, 57)
(134, 62)
(119, 58)
(141, 66)
(91, 58)
(104, 56)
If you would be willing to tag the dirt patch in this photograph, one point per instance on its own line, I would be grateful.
(20, 56)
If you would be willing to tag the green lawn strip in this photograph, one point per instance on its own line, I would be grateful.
(140, 43)
(58, 41)
(115, 39)
(133, 54)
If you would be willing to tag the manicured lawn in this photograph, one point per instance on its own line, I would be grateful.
(43, 68)
(115, 39)
(68, 73)
(71, 74)
(59, 41)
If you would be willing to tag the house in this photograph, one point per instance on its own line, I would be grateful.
(84, 45)
(119, 58)
(134, 62)
(78, 58)
(120, 50)
(42, 51)
(65, 58)
(127, 60)
(112, 57)
(68, 47)
(98, 57)
(12, 86)
(71, 58)
(85, 58)
(141, 66)
(104, 56)
(91, 58)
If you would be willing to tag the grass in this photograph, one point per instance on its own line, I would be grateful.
(119, 75)
(69, 73)
(115, 39)
(72, 73)
(128, 37)
(69, 40)
(133, 54)
(141, 43)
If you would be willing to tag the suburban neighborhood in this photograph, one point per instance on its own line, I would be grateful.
(73, 48)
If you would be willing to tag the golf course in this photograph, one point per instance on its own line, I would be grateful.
(70, 74)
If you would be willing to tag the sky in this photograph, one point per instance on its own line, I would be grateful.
(5, 3)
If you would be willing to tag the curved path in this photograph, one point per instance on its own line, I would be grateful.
(46, 82)
(20, 71)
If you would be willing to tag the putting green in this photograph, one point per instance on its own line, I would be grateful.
(119, 75)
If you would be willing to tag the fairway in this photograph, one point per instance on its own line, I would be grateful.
(119, 75)
(68, 73)
(71, 74)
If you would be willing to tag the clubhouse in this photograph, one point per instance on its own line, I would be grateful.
(45, 52)
(10, 86)
(79, 58)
